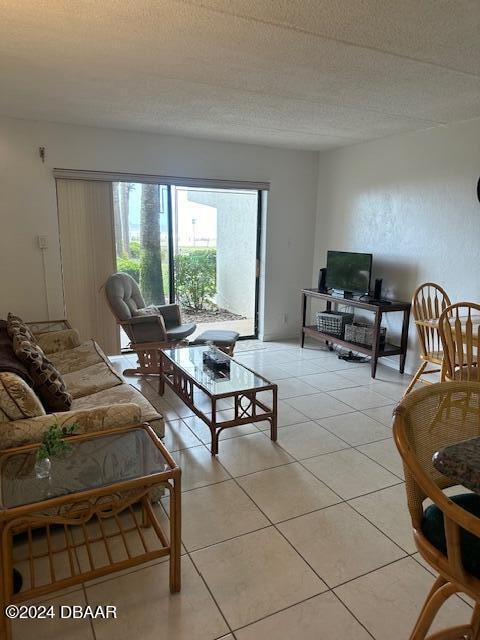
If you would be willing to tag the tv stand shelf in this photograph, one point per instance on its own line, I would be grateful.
(378, 308)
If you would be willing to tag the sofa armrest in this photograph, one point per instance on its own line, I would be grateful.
(29, 431)
(45, 326)
(58, 340)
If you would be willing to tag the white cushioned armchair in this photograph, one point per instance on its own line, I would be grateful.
(149, 328)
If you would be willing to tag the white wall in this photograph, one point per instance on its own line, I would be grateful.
(411, 201)
(28, 205)
(236, 244)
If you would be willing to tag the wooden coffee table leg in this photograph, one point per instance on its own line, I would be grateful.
(213, 429)
(214, 447)
(273, 419)
(161, 381)
(175, 534)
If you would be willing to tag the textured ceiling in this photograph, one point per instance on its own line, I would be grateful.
(310, 74)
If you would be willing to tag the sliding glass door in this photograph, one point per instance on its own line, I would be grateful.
(194, 246)
(215, 257)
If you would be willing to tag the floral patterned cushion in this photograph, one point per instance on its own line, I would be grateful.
(55, 341)
(19, 432)
(80, 357)
(16, 326)
(47, 380)
(91, 379)
(122, 393)
(17, 399)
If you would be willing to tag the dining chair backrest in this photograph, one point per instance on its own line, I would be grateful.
(428, 302)
(459, 327)
(426, 420)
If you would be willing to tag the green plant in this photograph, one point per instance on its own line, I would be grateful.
(130, 266)
(135, 249)
(52, 443)
(196, 277)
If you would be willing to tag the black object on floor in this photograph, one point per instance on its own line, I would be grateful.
(17, 581)
(351, 357)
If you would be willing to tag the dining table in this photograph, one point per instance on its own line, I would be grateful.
(460, 462)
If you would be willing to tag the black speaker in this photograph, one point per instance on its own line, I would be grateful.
(377, 291)
(322, 280)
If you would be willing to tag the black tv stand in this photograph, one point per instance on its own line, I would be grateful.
(378, 307)
(379, 302)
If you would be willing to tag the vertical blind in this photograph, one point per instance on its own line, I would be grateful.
(85, 215)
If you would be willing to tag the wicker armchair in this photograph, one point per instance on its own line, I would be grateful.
(446, 533)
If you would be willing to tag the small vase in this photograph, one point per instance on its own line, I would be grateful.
(42, 468)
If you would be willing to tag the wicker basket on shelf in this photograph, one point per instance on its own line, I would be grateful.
(362, 333)
(333, 322)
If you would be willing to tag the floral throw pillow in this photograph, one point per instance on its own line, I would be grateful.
(47, 380)
(17, 400)
(16, 326)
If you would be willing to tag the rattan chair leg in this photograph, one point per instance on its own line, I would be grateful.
(430, 609)
(461, 632)
(415, 378)
(439, 582)
(475, 623)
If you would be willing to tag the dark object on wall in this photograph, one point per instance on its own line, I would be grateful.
(322, 280)
(478, 189)
(377, 291)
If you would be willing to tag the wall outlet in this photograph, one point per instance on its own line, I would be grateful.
(42, 242)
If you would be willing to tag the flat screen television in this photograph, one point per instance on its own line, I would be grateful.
(349, 272)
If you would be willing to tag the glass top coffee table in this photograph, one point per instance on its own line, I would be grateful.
(90, 516)
(254, 397)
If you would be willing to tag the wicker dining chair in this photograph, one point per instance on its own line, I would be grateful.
(460, 335)
(428, 302)
(446, 533)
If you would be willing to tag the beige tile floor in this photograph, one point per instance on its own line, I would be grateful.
(309, 537)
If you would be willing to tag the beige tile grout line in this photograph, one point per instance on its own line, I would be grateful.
(294, 460)
(300, 555)
(329, 589)
(341, 501)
